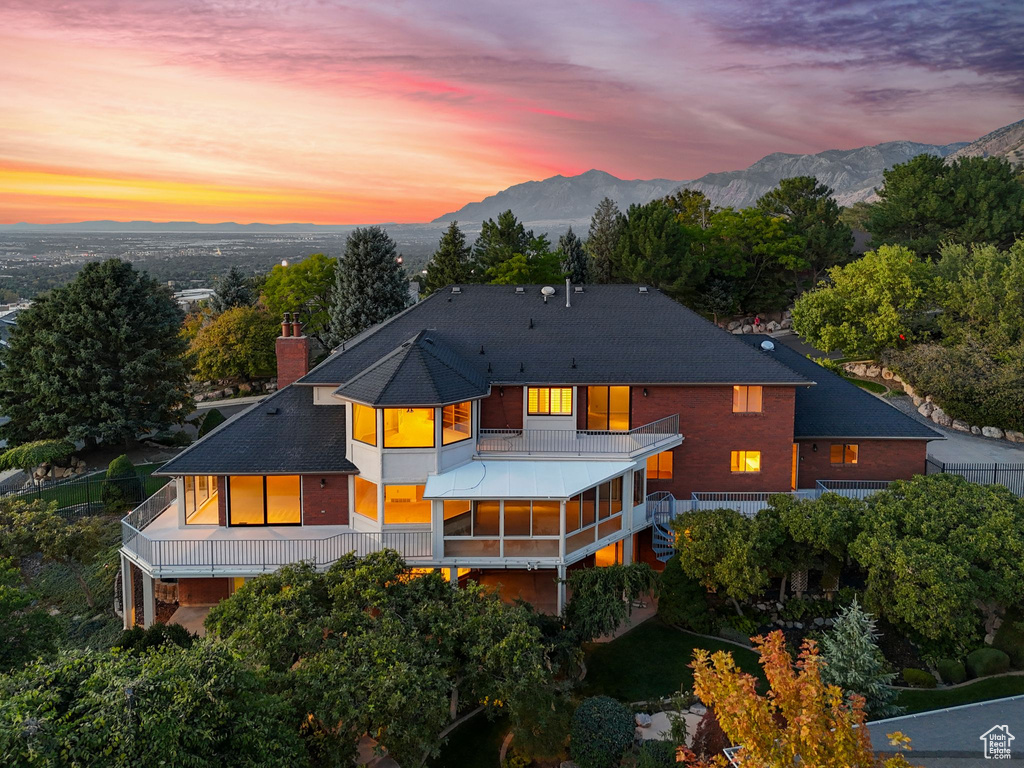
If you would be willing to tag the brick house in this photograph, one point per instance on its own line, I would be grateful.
(505, 434)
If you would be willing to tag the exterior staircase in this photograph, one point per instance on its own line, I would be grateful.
(661, 507)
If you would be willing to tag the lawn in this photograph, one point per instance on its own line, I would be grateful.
(870, 386)
(87, 489)
(474, 744)
(981, 690)
(651, 661)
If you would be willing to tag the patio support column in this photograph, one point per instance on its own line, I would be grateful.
(148, 601)
(127, 592)
(627, 550)
(561, 590)
(453, 577)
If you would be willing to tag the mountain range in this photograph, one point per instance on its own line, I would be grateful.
(853, 174)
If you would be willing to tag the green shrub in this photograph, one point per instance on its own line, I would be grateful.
(139, 640)
(918, 678)
(951, 671)
(967, 381)
(656, 754)
(211, 421)
(683, 602)
(1010, 638)
(602, 729)
(987, 661)
(515, 760)
(123, 488)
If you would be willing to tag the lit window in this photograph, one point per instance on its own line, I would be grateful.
(457, 518)
(549, 401)
(364, 424)
(746, 461)
(366, 498)
(746, 399)
(608, 408)
(271, 500)
(843, 454)
(659, 466)
(456, 422)
(405, 505)
(201, 500)
(638, 487)
(408, 427)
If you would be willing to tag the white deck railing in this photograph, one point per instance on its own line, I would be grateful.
(854, 489)
(252, 553)
(578, 441)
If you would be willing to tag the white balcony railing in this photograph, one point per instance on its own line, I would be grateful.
(192, 549)
(578, 441)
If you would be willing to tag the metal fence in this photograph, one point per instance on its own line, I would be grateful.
(1008, 475)
(81, 496)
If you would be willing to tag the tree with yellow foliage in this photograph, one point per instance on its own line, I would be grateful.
(800, 721)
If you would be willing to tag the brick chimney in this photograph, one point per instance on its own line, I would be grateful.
(292, 351)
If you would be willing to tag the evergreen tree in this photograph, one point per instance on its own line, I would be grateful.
(814, 215)
(606, 227)
(501, 240)
(100, 359)
(854, 662)
(370, 286)
(452, 262)
(233, 290)
(575, 263)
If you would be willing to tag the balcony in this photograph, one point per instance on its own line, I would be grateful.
(660, 434)
(151, 536)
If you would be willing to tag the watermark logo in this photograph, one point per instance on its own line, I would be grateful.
(997, 742)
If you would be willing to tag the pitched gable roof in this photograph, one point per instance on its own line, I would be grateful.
(423, 371)
(836, 408)
(282, 434)
(610, 334)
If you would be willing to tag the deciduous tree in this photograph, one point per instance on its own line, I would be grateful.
(872, 304)
(237, 344)
(370, 286)
(305, 287)
(601, 597)
(801, 721)
(100, 359)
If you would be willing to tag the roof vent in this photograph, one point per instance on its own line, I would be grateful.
(520, 289)
(272, 411)
(768, 346)
(547, 290)
(577, 289)
(456, 290)
(643, 289)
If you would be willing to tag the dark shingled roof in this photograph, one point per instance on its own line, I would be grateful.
(282, 434)
(424, 371)
(836, 408)
(612, 334)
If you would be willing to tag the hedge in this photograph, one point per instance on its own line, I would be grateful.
(951, 671)
(987, 661)
(918, 678)
(602, 729)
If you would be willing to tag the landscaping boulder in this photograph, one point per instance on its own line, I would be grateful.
(872, 371)
(734, 325)
(975, 430)
(747, 329)
(887, 374)
(1014, 437)
(773, 327)
(995, 432)
(925, 409)
(917, 400)
(786, 324)
(642, 719)
(858, 369)
(941, 418)
(961, 426)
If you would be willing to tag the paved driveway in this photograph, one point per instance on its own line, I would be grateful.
(959, 447)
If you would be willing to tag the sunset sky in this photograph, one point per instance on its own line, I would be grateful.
(400, 110)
